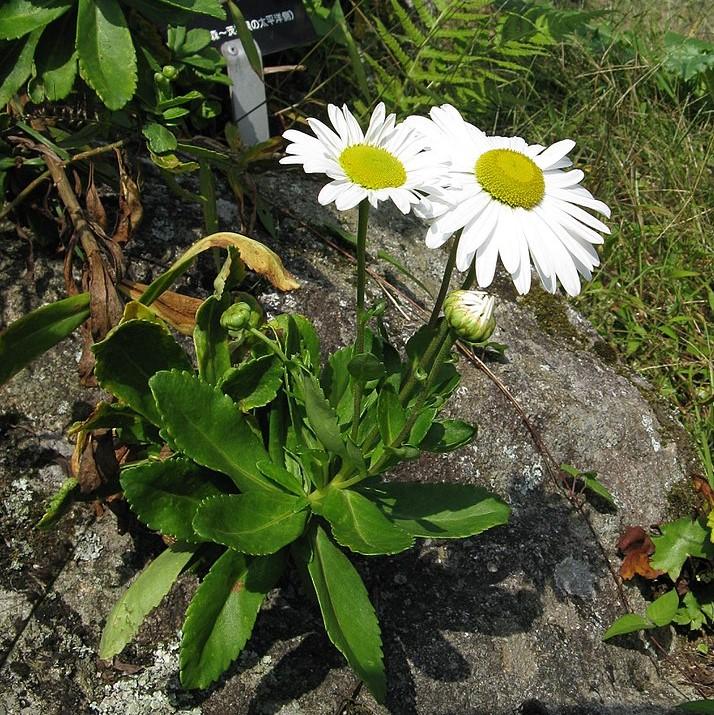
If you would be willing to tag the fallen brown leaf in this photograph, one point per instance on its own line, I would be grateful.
(637, 547)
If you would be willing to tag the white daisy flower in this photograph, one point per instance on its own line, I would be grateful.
(386, 162)
(514, 200)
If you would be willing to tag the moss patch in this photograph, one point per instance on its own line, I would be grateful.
(550, 314)
(605, 352)
(682, 500)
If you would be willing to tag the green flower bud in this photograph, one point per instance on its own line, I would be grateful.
(237, 317)
(470, 314)
(170, 72)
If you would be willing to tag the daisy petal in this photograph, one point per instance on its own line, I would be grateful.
(486, 261)
(554, 153)
(582, 198)
(331, 191)
(563, 179)
(507, 234)
(583, 216)
(350, 197)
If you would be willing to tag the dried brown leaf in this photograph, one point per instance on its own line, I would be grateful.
(637, 547)
(131, 210)
(96, 212)
(178, 310)
(702, 486)
(94, 462)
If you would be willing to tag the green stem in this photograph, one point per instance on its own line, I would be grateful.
(207, 185)
(404, 433)
(431, 350)
(436, 343)
(270, 343)
(445, 281)
(434, 346)
(470, 277)
(361, 282)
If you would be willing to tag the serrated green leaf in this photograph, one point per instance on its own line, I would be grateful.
(161, 139)
(56, 59)
(107, 59)
(208, 427)
(19, 17)
(213, 8)
(662, 610)
(194, 41)
(439, 511)
(350, 620)
(629, 623)
(221, 615)
(360, 525)
(165, 495)
(210, 339)
(16, 64)
(324, 423)
(38, 331)
(336, 378)
(680, 539)
(144, 594)
(447, 436)
(253, 523)
(130, 355)
(282, 477)
(254, 383)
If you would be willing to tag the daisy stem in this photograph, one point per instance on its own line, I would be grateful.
(398, 441)
(436, 343)
(445, 281)
(436, 353)
(361, 281)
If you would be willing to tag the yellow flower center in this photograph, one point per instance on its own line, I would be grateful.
(510, 177)
(372, 167)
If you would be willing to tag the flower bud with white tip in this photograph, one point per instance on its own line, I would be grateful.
(470, 314)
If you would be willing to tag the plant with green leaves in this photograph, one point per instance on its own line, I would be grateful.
(267, 452)
(112, 43)
(147, 81)
(153, 70)
(469, 53)
(269, 462)
(684, 551)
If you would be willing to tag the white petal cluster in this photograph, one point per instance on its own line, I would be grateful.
(509, 199)
(323, 153)
(556, 234)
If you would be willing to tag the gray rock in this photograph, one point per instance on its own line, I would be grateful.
(508, 622)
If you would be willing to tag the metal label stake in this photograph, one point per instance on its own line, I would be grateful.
(250, 109)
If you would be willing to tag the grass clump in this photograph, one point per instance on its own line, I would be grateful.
(647, 142)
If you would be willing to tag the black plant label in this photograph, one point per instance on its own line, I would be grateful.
(276, 25)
